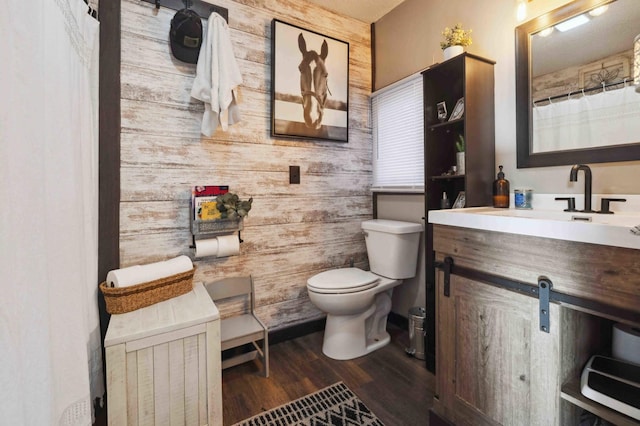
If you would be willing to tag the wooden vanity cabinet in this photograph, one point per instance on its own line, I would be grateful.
(494, 365)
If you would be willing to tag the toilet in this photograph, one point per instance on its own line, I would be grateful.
(357, 302)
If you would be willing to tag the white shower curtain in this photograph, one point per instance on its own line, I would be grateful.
(50, 355)
(594, 120)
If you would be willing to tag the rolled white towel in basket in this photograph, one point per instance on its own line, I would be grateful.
(139, 274)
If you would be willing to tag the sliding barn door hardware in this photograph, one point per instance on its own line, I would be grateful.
(544, 287)
(449, 267)
(543, 291)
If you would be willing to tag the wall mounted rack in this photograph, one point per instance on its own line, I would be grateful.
(202, 8)
(214, 228)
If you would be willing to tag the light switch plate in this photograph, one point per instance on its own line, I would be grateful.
(294, 174)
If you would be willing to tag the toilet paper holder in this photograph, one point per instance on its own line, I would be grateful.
(214, 228)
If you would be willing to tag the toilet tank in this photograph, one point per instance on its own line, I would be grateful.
(392, 247)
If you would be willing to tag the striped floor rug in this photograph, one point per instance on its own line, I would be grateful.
(335, 405)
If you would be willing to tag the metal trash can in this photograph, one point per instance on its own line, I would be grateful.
(417, 334)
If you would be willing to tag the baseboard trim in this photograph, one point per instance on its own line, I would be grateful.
(297, 330)
(398, 320)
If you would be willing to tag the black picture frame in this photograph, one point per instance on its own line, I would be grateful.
(461, 200)
(442, 111)
(458, 110)
(290, 118)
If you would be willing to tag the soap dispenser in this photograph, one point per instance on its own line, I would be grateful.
(501, 191)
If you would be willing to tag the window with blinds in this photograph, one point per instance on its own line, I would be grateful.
(398, 136)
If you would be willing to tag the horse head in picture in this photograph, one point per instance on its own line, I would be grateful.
(313, 82)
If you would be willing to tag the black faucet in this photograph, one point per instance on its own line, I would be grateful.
(573, 177)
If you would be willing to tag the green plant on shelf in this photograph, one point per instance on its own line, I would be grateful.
(460, 144)
(231, 206)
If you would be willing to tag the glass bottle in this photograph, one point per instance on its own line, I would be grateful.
(501, 191)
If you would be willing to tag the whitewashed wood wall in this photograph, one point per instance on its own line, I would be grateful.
(567, 80)
(293, 231)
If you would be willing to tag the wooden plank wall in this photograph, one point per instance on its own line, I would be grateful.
(568, 79)
(293, 231)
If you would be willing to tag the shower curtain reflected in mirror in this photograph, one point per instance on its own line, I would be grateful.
(577, 122)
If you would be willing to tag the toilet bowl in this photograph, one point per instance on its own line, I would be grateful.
(357, 302)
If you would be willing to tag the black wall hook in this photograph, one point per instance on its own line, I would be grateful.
(202, 8)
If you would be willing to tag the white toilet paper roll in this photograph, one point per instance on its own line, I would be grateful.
(207, 247)
(626, 343)
(125, 277)
(228, 245)
(177, 265)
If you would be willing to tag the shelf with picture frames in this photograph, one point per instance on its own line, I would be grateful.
(458, 102)
(465, 85)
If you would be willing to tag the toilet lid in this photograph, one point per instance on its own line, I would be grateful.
(343, 280)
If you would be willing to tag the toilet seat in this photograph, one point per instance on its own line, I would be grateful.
(343, 280)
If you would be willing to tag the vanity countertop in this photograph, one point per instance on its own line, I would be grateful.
(611, 230)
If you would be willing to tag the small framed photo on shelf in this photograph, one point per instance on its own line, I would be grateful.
(458, 110)
(460, 201)
(442, 111)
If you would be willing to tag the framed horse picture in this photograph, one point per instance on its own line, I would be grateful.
(309, 84)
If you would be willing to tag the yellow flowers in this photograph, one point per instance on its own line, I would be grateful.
(455, 36)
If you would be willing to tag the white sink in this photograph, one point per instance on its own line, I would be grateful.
(606, 229)
(618, 219)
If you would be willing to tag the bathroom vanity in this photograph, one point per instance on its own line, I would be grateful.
(518, 316)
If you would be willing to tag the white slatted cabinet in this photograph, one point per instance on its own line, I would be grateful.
(163, 363)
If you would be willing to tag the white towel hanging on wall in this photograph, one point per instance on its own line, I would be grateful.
(217, 77)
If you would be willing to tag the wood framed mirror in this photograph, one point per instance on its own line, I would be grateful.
(576, 55)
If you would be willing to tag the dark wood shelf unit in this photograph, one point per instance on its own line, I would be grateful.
(470, 77)
(446, 123)
(447, 177)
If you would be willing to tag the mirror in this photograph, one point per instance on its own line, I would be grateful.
(555, 70)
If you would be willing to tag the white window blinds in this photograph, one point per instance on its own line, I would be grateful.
(398, 135)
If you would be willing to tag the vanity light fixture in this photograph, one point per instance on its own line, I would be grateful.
(521, 11)
(572, 23)
(599, 10)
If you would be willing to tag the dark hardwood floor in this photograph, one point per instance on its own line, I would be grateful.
(396, 387)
